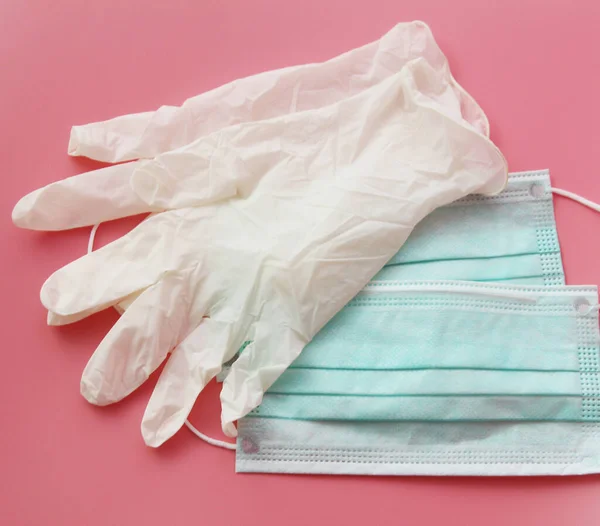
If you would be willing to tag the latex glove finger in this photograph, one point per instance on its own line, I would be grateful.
(130, 137)
(139, 342)
(104, 277)
(267, 95)
(56, 320)
(258, 366)
(199, 174)
(193, 363)
(85, 199)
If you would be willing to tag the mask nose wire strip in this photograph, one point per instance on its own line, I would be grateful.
(577, 198)
(202, 436)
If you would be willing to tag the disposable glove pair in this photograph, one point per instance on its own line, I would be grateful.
(261, 231)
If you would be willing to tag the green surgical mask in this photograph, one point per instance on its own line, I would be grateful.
(449, 351)
(508, 237)
(503, 379)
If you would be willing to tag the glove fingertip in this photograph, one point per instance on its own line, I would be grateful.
(49, 296)
(74, 142)
(23, 214)
(90, 392)
(229, 429)
(229, 413)
(154, 437)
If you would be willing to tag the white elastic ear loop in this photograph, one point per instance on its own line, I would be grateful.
(577, 198)
(92, 238)
(202, 436)
(212, 441)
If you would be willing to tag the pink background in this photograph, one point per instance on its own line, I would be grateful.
(532, 64)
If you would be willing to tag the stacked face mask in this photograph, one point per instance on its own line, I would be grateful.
(441, 377)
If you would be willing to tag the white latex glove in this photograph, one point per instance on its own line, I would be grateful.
(270, 94)
(272, 227)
